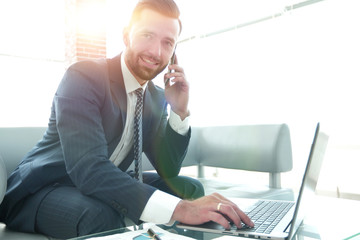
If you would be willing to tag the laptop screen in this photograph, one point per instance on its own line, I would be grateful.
(310, 179)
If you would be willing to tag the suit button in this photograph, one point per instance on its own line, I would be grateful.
(119, 208)
(115, 205)
(124, 211)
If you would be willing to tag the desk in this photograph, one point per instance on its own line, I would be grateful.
(333, 218)
(328, 219)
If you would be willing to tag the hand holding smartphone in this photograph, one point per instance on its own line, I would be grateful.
(172, 61)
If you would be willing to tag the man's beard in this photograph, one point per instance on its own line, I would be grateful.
(139, 71)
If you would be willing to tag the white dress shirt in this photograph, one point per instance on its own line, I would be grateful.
(161, 205)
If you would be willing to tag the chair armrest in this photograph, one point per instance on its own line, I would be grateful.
(16, 142)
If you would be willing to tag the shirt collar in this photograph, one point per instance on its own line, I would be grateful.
(131, 84)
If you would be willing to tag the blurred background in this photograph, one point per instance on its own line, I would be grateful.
(248, 62)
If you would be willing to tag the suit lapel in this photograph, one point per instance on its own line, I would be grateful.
(147, 118)
(117, 86)
(154, 104)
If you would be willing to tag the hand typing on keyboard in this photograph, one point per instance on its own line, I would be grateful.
(214, 207)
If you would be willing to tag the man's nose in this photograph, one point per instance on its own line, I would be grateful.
(155, 49)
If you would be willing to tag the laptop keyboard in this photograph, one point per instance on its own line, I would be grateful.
(267, 214)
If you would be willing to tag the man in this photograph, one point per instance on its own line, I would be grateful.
(76, 180)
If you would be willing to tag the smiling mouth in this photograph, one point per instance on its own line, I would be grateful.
(150, 62)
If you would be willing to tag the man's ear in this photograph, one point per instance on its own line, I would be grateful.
(126, 36)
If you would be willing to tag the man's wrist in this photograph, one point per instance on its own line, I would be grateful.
(178, 125)
(180, 210)
(160, 208)
(183, 115)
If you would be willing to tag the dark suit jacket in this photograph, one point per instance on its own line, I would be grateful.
(86, 123)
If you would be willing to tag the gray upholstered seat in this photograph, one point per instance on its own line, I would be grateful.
(264, 148)
(12, 149)
(3, 177)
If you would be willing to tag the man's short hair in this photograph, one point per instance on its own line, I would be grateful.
(164, 7)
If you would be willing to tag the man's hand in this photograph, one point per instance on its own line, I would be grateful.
(207, 208)
(177, 93)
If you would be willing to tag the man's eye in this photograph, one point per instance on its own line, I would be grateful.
(169, 44)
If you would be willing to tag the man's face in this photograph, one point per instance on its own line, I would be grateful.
(149, 44)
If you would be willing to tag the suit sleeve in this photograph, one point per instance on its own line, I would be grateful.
(78, 106)
(167, 148)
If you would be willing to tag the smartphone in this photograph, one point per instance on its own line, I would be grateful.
(172, 61)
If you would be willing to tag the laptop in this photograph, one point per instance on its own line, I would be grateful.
(289, 214)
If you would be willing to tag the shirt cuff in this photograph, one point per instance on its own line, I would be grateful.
(160, 208)
(178, 125)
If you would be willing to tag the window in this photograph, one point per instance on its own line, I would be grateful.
(31, 60)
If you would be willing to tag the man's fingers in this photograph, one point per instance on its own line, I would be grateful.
(229, 213)
(176, 74)
(175, 68)
(220, 219)
(245, 218)
(176, 60)
(232, 211)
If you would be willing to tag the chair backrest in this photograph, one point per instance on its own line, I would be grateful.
(3, 179)
(15, 142)
(263, 148)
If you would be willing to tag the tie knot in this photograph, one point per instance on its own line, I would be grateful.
(139, 92)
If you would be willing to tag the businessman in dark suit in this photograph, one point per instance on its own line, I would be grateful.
(76, 180)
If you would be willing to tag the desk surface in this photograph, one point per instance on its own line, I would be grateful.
(333, 218)
(328, 218)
